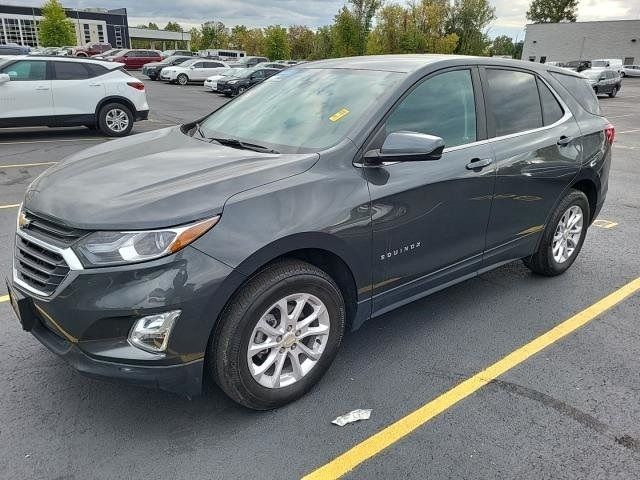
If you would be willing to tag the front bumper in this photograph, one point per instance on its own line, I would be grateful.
(87, 319)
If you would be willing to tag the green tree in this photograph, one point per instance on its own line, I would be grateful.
(345, 34)
(276, 43)
(503, 45)
(196, 39)
(322, 44)
(173, 27)
(517, 50)
(469, 20)
(255, 42)
(552, 11)
(55, 29)
(301, 41)
(364, 12)
(238, 37)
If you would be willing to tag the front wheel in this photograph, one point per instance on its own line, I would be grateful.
(614, 92)
(183, 79)
(115, 120)
(563, 236)
(278, 336)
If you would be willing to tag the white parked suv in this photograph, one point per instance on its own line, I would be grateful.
(194, 70)
(61, 92)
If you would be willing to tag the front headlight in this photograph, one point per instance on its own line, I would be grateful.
(101, 249)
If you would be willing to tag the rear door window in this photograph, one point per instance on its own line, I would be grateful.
(70, 71)
(513, 103)
(579, 89)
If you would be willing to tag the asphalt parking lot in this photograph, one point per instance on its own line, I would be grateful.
(570, 411)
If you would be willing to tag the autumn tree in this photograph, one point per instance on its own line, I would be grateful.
(469, 20)
(55, 29)
(301, 41)
(322, 44)
(552, 11)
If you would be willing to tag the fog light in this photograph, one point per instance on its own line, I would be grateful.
(151, 333)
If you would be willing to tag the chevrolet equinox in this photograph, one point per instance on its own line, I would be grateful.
(241, 247)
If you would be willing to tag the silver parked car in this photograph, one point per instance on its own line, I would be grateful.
(630, 71)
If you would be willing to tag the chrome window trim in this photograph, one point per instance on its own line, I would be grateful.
(567, 115)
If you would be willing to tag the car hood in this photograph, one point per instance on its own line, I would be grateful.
(152, 180)
(155, 64)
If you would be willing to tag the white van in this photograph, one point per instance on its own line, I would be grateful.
(612, 63)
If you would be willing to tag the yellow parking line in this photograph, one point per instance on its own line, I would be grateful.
(17, 165)
(403, 427)
(604, 223)
(4, 298)
(15, 205)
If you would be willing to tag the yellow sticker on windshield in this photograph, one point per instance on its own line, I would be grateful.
(339, 114)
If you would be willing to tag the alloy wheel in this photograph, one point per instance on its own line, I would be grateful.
(288, 340)
(567, 234)
(117, 120)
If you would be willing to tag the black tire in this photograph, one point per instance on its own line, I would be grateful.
(104, 125)
(241, 90)
(622, 74)
(182, 79)
(614, 92)
(227, 354)
(542, 261)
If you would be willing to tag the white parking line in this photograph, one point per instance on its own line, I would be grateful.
(620, 116)
(629, 131)
(18, 165)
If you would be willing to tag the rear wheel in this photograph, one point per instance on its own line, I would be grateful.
(563, 236)
(183, 79)
(278, 335)
(241, 90)
(115, 120)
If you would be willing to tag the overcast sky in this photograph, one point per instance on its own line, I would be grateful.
(314, 13)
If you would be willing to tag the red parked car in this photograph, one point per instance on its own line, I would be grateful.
(137, 58)
(91, 49)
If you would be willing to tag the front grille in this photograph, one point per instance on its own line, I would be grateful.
(38, 267)
(51, 232)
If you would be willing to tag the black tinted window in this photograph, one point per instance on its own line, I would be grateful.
(443, 105)
(26, 70)
(70, 71)
(579, 89)
(95, 70)
(551, 109)
(513, 101)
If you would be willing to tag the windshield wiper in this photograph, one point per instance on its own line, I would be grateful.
(235, 143)
(198, 130)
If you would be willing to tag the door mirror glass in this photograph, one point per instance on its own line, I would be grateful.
(407, 147)
(602, 77)
(4, 78)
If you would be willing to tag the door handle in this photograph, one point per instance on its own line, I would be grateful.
(42, 88)
(479, 163)
(95, 84)
(564, 141)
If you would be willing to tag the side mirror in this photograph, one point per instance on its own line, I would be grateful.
(4, 78)
(602, 77)
(407, 147)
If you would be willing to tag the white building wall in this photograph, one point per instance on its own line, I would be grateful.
(583, 41)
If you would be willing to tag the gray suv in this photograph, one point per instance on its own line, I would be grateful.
(243, 246)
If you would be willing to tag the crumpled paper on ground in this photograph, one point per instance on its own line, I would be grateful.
(353, 416)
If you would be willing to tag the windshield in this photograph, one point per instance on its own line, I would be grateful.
(190, 62)
(301, 110)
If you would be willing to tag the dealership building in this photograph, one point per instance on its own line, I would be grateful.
(546, 42)
(20, 25)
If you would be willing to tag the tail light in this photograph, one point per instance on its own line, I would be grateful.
(137, 85)
(610, 133)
